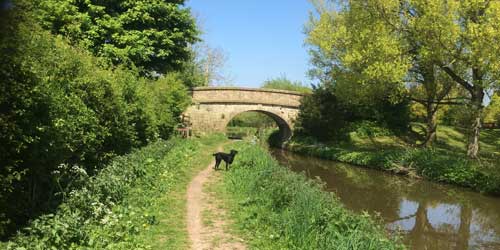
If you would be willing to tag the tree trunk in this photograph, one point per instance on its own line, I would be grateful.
(475, 129)
(431, 120)
(477, 95)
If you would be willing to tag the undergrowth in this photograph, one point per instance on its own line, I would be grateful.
(113, 209)
(278, 209)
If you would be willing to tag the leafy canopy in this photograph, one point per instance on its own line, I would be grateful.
(356, 51)
(284, 83)
(153, 35)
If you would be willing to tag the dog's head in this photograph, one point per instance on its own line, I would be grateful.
(233, 152)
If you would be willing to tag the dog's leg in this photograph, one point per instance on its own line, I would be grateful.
(217, 162)
(227, 164)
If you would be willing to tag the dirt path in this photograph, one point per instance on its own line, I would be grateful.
(207, 221)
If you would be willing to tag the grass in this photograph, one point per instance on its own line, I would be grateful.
(171, 232)
(275, 208)
(137, 202)
(445, 162)
(240, 132)
(454, 139)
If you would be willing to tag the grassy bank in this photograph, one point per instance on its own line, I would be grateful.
(445, 162)
(275, 208)
(136, 202)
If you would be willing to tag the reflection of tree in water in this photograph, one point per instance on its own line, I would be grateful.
(424, 236)
(464, 229)
(374, 191)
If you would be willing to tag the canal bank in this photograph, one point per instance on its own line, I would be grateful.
(433, 164)
(274, 208)
(429, 215)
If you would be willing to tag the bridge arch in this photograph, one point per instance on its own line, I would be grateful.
(285, 128)
(213, 107)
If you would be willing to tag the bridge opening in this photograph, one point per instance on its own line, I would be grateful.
(259, 125)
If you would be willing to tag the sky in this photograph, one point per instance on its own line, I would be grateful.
(262, 39)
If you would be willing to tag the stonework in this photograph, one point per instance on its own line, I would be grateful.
(214, 107)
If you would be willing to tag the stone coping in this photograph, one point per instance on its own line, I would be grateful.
(250, 90)
(243, 102)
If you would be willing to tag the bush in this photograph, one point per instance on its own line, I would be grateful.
(326, 117)
(106, 213)
(323, 116)
(279, 209)
(61, 106)
(369, 129)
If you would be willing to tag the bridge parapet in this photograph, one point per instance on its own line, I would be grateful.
(283, 98)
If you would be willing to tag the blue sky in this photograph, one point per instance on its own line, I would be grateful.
(262, 39)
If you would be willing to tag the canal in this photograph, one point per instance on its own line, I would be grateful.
(428, 215)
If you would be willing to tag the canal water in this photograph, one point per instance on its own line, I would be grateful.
(429, 216)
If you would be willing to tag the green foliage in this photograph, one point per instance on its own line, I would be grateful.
(369, 129)
(457, 116)
(378, 45)
(327, 117)
(275, 140)
(152, 35)
(240, 132)
(323, 116)
(59, 107)
(492, 111)
(279, 209)
(110, 210)
(356, 52)
(284, 83)
(166, 98)
(252, 119)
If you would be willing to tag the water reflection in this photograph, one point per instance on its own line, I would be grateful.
(430, 216)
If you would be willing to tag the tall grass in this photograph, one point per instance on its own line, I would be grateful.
(113, 210)
(279, 209)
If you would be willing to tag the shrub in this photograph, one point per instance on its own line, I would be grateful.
(326, 117)
(106, 213)
(60, 105)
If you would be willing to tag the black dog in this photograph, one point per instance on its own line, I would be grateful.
(228, 158)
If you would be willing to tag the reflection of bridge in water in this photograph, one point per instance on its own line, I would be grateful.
(214, 107)
(430, 216)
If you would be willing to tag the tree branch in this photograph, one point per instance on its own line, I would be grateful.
(457, 78)
(421, 101)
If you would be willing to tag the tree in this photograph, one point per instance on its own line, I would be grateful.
(356, 52)
(380, 41)
(284, 83)
(153, 35)
(211, 63)
(59, 108)
(461, 38)
(430, 87)
(323, 116)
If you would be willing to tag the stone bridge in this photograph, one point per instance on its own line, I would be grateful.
(214, 107)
